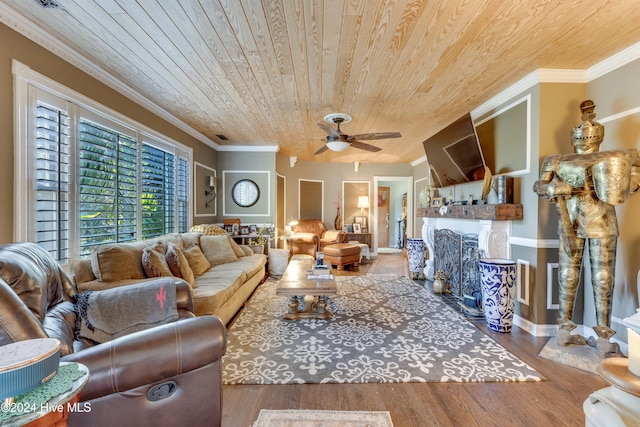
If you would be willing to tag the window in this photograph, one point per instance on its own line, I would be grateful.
(52, 180)
(99, 177)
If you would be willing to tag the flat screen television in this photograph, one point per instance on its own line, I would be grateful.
(454, 154)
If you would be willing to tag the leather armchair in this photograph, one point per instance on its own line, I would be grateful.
(166, 375)
(311, 235)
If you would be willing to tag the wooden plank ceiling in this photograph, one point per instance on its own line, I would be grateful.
(265, 72)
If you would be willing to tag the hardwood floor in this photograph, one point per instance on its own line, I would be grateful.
(555, 402)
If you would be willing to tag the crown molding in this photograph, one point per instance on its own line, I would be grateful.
(541, 75)
(550, 75)
(36, 34)
(614, 62)
(419, 160)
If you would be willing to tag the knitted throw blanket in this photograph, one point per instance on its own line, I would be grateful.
(112, 313)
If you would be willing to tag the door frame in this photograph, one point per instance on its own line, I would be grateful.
(408, 180)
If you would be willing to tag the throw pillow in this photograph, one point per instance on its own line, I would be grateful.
(154, 261)
(118, 261)
(237, 249)
(112, 313)
(189, 239)
(179, 265)
(247, 250)
(196, 259)
(208, 230)
(217, 249)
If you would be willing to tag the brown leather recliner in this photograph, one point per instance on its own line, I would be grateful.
(311, 235)
(167, 375)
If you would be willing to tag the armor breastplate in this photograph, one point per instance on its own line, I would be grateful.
(573, 173)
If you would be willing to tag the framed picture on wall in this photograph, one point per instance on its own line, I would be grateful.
(357, 228)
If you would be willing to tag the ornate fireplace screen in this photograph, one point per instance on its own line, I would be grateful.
(457, 256)
(447, 246)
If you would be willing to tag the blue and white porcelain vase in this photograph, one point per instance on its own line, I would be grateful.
(416, 254)
(498, 280)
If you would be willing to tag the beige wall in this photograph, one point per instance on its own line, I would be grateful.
(617, 98)
(15, 46)
(333, 174)
(257, 166)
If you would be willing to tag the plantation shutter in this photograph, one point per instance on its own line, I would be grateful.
(183, 194)
(52, 181)
(158, 192)
(108, 186)
(86, 176)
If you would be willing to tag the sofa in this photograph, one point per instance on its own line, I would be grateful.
(165, 374)
(310, 235)
(222, 274)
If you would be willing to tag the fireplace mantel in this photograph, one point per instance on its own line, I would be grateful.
(491, 223)
(499, 212)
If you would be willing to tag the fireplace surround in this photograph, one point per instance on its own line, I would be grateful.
(460, 235)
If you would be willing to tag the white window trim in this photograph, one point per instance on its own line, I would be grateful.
(24, 77)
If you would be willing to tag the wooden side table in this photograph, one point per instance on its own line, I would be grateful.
(55, 412)
(360, 237)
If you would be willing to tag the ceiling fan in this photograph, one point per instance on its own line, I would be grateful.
(338, 141)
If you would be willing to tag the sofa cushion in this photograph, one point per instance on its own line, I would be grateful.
(196, 259)
(179, 265)
(217, 249)
(215, 288)
(154, 261)
(249, 264)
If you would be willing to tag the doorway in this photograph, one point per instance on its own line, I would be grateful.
(383, 223)
(398, 187)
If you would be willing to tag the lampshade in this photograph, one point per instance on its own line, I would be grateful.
(338, 145)
(363, 202)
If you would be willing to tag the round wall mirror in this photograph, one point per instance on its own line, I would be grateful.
(245, 193)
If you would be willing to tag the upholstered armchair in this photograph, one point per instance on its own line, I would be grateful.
(166, 375)
(311, 235)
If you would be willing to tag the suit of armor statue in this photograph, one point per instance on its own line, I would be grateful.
(585, 186)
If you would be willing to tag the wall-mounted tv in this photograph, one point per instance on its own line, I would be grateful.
(454, 154)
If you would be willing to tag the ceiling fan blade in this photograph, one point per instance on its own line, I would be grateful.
(363, 146)
(376, 135)
(329, 130)
(321, 150)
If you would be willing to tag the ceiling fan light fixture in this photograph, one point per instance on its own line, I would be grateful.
(335, 118)
(338, 145)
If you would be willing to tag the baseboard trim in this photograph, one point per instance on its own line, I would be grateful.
(535, 329)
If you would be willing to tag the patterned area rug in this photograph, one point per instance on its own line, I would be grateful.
(309, 418)
(384, 329)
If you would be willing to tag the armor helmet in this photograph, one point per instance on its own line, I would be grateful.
(587, 136)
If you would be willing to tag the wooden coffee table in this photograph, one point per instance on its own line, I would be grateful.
(295, 284)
